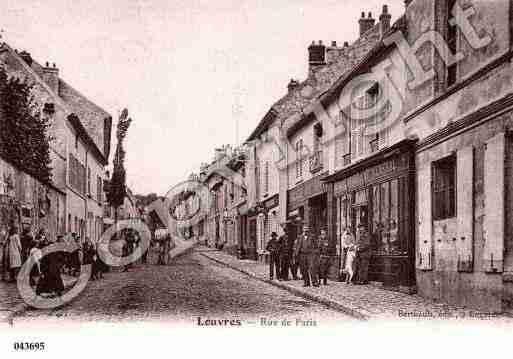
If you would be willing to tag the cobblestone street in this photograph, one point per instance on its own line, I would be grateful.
(191, 287)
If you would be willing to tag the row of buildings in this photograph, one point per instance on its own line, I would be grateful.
(431, 184)
(75, 201)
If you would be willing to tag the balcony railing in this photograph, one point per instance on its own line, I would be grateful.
(316, 162)
(347, 159)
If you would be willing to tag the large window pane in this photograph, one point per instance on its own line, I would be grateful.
(393, 225)
(376, 220)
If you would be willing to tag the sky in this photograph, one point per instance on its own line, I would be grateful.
(194, 74)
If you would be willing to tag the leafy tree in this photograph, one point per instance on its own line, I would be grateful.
(24, 136)
(116, 189)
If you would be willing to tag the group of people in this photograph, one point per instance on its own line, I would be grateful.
(46, 273)
(308, 253)
(312, 256)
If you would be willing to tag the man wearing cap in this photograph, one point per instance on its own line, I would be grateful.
(273, 247)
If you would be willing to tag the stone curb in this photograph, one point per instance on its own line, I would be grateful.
(183, 251)
(345, 308)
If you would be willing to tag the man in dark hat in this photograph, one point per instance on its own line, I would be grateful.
(313, 259)
(273, 247)
(302, 251)
(285, 254)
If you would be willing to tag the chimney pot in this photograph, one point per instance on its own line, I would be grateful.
(363, 14)
(54, 65)
(316, 54)
(47, 64)
(334, 43)
(366, 24)
(384, 20)
(346, 44)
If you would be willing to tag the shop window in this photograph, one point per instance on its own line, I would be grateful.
(443, 188)
(386, 238)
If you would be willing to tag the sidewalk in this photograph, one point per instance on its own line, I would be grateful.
(360, 301)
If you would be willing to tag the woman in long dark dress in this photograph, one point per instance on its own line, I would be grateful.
(51, 280)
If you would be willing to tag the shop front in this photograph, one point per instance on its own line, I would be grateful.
(379, 193)
(307, 205)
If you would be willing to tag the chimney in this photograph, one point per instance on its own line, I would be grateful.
(51, 77)
(25, 56)
(292, 85)
(316, 55)
(384, 20)
(366, 23)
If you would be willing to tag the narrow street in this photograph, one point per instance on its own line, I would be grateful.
(191, 287)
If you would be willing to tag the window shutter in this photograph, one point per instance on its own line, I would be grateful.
(494, 204)
(464, 209)
(425, 255)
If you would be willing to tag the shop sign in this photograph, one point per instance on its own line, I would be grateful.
(272, 202)
(370, 174)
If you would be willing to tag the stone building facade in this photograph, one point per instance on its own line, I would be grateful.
(80, 148)
(428, 173)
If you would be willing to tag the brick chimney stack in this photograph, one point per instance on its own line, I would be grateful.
(366, 23)
(51, 77)
(316, 55)
(384, 20)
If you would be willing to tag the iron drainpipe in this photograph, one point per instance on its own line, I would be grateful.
(85, 197)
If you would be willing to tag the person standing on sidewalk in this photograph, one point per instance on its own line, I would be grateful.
(362, 254)
(293, 255)
(26, 243)
(273, 247)
(35, 273)
(314, 258)
(3, 254)
(51, 268)
(302, 251)
(15, 250)
(325, 260)
(284, 255)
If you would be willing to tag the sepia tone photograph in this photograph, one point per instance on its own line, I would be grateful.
(217, 165)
